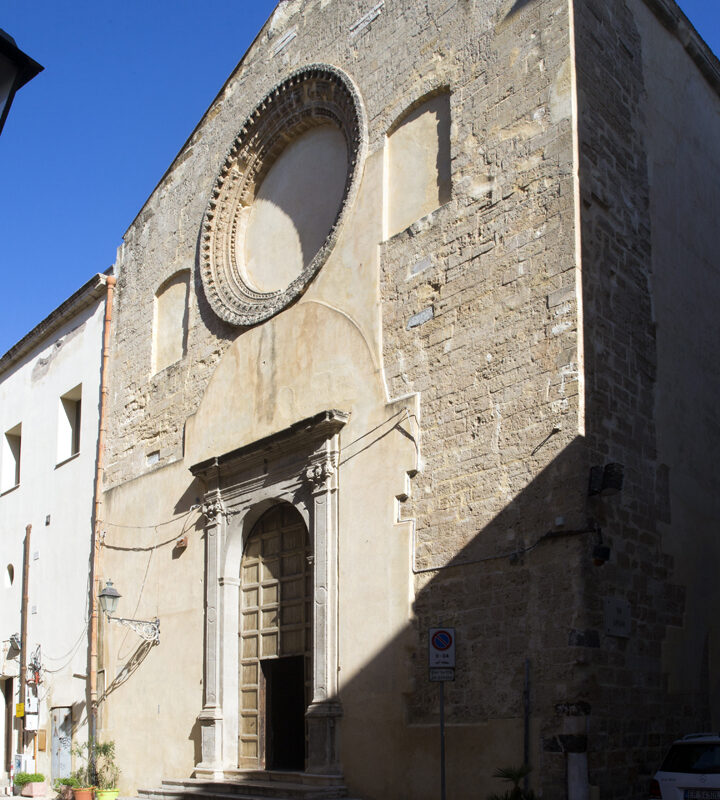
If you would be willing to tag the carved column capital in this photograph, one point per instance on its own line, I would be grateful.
(320, 475)
(212, 508)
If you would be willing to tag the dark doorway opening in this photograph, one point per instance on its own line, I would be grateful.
(285, 712)
(7, 748)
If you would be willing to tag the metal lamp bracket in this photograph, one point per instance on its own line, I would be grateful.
(149, 630)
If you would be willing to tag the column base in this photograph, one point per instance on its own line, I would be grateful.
(211, 766)
(324, 737)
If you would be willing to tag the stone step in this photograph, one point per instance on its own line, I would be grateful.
(254, 789)
(287, 776)
(251, 786)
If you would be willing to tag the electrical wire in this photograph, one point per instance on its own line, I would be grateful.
(171, 540)
(513, 554)
(150, 527)
(69, 655)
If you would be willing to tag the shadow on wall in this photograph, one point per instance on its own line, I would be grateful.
(129, 667)
(526, 587)
(518, 5)
(514, 592)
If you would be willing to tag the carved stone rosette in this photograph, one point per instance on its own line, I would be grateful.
(312, 96)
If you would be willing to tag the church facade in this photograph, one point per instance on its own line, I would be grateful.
(412, 334)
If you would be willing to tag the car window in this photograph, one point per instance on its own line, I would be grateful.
(693, 757)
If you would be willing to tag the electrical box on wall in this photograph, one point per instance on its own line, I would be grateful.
(31, 701)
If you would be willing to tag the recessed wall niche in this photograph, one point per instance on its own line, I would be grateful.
(417, 176)
(170, 323)
(281, 196)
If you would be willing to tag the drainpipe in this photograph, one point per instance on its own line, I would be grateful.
(24, 632)
(97, 521)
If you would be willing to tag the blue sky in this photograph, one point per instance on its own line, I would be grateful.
(87, 140)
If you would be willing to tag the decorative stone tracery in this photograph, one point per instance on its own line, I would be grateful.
(317, 95)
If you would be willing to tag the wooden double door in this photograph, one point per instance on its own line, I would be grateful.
(275, 642)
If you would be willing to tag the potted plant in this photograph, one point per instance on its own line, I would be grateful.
(64, 787)
(513, 775)
(82, 787)
(31, 784)
(106, 771)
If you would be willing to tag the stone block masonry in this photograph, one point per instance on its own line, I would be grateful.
(520, 313)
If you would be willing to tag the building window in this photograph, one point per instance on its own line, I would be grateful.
(11, 458)
(171, 321)
(69, 413)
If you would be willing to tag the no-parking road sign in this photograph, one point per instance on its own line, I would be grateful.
(441, 648)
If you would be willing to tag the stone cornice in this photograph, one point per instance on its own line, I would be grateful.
(672, 18)
(322, 425)
(85, 296)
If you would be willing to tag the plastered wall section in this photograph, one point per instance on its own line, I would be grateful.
(161, 686)
(473, 308)
(57, 500)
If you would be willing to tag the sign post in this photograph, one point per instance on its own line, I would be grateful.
(441, 663)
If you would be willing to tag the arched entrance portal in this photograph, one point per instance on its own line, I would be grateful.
(260, 584)
(275, 678)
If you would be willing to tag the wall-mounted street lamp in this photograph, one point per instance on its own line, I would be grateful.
(607, 480)
(149, 630)
(16, 69)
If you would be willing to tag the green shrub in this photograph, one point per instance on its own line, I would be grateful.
(81, 775)
(21, 778)
(73, 783)
(106, 771)
(513, 775)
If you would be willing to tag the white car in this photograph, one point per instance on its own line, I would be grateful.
(690, 770)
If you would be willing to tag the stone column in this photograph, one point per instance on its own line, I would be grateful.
(325, 709)
(211, 717)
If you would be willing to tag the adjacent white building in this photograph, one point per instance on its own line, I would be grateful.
(49, 408)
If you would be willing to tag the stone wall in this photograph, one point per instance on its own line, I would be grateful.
(634, 711)
(480, 317)
(477, 304)
(519, 318)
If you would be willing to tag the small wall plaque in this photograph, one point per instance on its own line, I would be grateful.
(617, 617)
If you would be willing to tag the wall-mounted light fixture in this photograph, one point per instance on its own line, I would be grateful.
(601, 554)
(149, 630)
(607, 480)
(612, 480)
(16, 69)
(595, 482)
